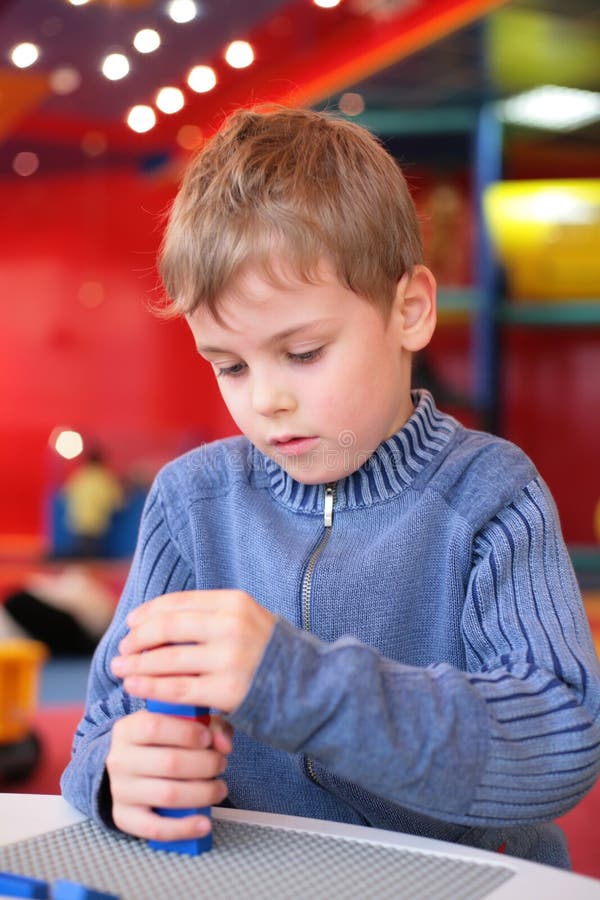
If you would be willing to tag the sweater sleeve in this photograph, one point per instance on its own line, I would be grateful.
(514, 739)
(157, 568)
(534, 664)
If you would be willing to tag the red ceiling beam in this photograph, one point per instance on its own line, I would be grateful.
(368, 47)
(307, 54)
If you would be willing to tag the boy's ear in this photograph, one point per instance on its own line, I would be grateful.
(415, 308)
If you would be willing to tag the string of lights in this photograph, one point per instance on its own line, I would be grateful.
(115, 66)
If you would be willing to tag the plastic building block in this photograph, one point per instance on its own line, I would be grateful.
(178, 709)
(190, 846)
(72, 890)
(12, 885)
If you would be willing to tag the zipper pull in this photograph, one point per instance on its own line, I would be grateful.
(329, 500)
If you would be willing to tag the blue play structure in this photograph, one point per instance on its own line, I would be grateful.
(119, 542)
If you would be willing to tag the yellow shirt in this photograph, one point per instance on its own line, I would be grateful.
(92, 494)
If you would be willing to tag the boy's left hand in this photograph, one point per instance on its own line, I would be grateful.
(200, 648)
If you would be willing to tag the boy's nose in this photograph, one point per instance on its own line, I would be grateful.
(269, 398)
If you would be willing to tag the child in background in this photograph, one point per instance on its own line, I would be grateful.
(69, 610)
(92, 496)
(377, 600)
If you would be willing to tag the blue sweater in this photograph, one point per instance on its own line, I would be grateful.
(431, 671)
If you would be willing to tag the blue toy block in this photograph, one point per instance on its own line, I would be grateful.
(178, 709)
(12, 885)
(72, 890)
(189, 846)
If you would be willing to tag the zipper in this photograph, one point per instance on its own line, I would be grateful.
(308, 577)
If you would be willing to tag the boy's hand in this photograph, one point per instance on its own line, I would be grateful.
(200, 648)
(166, 761)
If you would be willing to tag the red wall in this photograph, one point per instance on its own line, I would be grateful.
(112, 371)
(550, 407)
(119, 375)
(551, 386)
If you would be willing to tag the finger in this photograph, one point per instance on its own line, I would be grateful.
(208, 601)
(223, 690)
(183, 689)
(182, 627)
(160, 629)
(142, 822)
(173, 659)
(145, 728)
(169, 793)
(174, 762)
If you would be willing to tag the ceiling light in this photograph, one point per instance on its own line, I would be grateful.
(202, 79)
(552, 107)
(170, 100)
(64, 80)
(239, 54)
(24, 55)
(141, 118)
(189, 137)
(327, 4)
(147, 40)
(78, 2)
(25, 163)
(67, 443)
(115, 66)
(351, 104)
(182, 10)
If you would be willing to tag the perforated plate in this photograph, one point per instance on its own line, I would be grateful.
(252, 861)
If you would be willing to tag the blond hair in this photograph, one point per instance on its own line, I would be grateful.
(295, 184)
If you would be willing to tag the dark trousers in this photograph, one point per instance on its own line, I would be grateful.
(57, 629)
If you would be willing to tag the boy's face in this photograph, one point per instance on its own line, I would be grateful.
(311, 373)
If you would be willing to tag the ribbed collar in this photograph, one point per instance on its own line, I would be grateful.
(392, 467)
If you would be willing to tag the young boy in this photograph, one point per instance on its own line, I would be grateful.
(378, 600)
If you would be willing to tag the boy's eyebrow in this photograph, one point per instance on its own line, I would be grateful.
(274, 339)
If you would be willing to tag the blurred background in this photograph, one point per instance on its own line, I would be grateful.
(492, 108)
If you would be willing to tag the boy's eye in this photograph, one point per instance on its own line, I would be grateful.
(308, 356)
(233, 371)
(239, 368)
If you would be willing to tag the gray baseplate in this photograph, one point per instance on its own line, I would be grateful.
(250, 861)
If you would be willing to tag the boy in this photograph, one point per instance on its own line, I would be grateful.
(378, 600)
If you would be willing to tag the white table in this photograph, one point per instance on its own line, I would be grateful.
(27, 815)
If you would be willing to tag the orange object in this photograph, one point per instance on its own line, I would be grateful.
(21, 93)
(20, 662)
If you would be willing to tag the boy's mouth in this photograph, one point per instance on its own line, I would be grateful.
(293, 446)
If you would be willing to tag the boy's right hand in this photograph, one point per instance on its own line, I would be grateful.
(158, 760)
